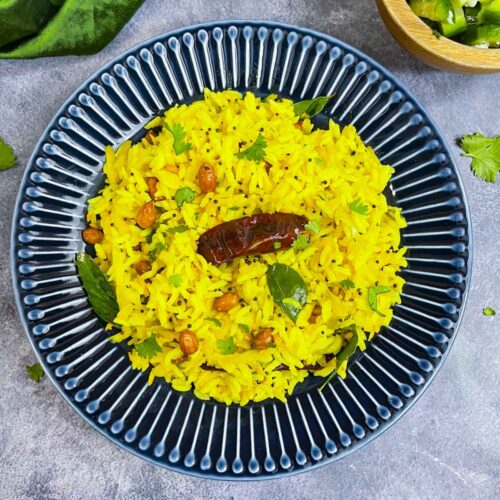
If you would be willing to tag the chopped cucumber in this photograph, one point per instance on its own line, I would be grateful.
(460, 23)
(436, 10)
(487, 36)
(490, 12)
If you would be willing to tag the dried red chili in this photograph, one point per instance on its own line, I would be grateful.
(258, 233)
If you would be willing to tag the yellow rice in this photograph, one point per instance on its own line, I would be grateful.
(315, 173)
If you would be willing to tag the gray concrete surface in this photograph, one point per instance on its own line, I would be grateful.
(445, 447)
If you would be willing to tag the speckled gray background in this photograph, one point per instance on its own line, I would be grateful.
(446, 447)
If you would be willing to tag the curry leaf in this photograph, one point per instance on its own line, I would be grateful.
(284, 282)
(311, 107)
(99, 291)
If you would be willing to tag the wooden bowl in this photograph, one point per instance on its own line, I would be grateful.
(416, 37)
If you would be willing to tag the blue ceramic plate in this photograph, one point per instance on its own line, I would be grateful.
(176, 430)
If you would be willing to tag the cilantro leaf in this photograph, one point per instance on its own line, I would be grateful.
(184, 195)
(276, 245)
(149, 347)
(178, 134)
(485, 154)
(300, 242)
(153, 254)
(244, 328)
(373, 292)
(234, 208)
(175, 280)
(226, 346)
(311, 107)
(178, 229)
(196, 215)
(7, 158)
(313, 226)
(347, 283)
(256, 151)
(35, 372)
(489, 311)
(358, 207)
(215, 321)
(436, 33)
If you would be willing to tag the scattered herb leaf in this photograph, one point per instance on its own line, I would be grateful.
(373, 292)
(256, 151)
(347, 283)
(7, 157)
(178, 134)
(271, 345)
(175, 280)
(149, 347)
(276, 245)
(184, 195)
(358, 207)
(489, 311)
(244, 328)
(196, 215)
(285, 282)
(313, 226)
(300, 242)
(178, 229)
(226, 346)
(215, 321)
(153, 254)
(485, 154)
(436, 33)
(149, 238)
(35, 372)
(99, 291)
(234, 207)
(311, 107)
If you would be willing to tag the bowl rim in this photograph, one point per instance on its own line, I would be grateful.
(210, 25)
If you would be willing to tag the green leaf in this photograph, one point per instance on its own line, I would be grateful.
(196, 215)
(276, 245)
(256, 151)
(153, 254)
(489, 311)
(289, 301)
(178, 229)
(234, 208)
(184, 195)
(347, 283)
(373, 292)
(244, 328)
(358, 207)
(35, 372)
(436, 33)
(285, 282)
(485, 154)
(313, 226)
(178, 134)
(7, 158)
(99, 291)
(226, 346)
(311, 107)
(215, 321)
(346, 352)
(175, 280)
(300, 242)
(149, 347)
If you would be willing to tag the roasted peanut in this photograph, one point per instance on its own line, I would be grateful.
(263, 339)
(152, 188)
(315, 313)
(143, 266)
(226, 302)
(188, 342)
(207, 180)
(146, 216)
(91, 236)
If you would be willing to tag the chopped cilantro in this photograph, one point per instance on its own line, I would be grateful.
(373, 292)
(215, 321)
(234, 208)
(175, 280)
(436, 33)
(347, 283)
(226, 346)
(300, 242)
(196, 215)
(153, 254)
(313, 226)
(7, 158)
(149, 347)
(178, 134)
(276, 245)
(289, 301)
(271, 345)
(184, 195)
(489, 311)
(35, 372)
(178, 229)
(256, 151)
(358, 207)
(244, 328)
(149, 238)
(485, 154)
